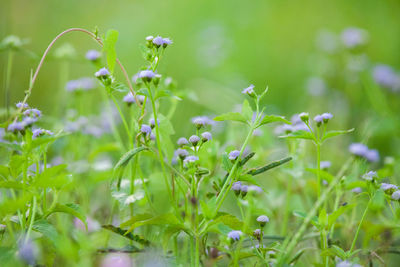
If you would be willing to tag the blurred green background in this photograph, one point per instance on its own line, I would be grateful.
(220, 47)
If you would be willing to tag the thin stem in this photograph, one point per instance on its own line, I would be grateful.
(8, 80)
(32, 219)
(121, 114)
(318, 170)
(359, 225)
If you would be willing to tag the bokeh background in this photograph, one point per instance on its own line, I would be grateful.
(220, 47)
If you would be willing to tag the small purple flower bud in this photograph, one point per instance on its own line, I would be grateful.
(249, 91)
(325, 165)
(262, 220)
(166, 42)
(146, 129)
(33, 112)
(243, 190)
(356, 190)
(206, 136)
(326, 117)
(146, 75)
(318, 119)
(129, 98)
(358, 149)
(153, 136)
(153, 123)
(15, 126)
(304, 116)
(255, 189)
(396, 195)
(21, 104)
(386, 77)
(388, 187)
(372, 155)
(158, 41)
(234, 235)
(194, 139)
(28, 121)
(182, 141)
(103, 72)
(27, 252)
(181, 153)
(93, 55)
(353, 37)
(190, 159)
(149, 38)
(369, 176)
(199, 122)
(257, 234)
(236, 187)
(234, 154)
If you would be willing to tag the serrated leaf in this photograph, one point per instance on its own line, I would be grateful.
(273, 118)
(137, 238)
(300, 134)
(331, 134)
(48, 230)
(109, 48)
(231, 116)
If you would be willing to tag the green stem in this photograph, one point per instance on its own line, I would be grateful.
(32, 219)
(8, 80)
(359, 225)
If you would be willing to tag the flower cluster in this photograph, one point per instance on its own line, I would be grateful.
(30, 116)
(158, 41)
(297, 125)
(361, 150)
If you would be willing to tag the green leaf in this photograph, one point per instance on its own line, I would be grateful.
(168, 233)
(231, 116)
(228, 220)
(164, 219)
(246, 110)
(300, 134)
(109, 48)
(248, 178)
(323, 218)
(70, 208)
(226, 162)
(271, 165)
(11, 184)
(53, 177)
(136, 218)
(324, 174)
(314, 219)
(124, 160)
(119, 87)
(4, 172)
(48, 230)
(137, 238)
(209, 208)
(330, 134)
(273, 118)
(335, 215)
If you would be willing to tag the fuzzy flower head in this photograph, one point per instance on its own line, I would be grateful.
(326, 117)
(304, 116)
(190, 159)
(194, 139)
(201, 121)
(361, 150)
(33, 112)
(182, 141)
(152, 122)
(243, 190)
(388, 188)
(357, 190)
(102, 73)
(181, 153)
(27, 252)
(262, 220)
(85, 83)
(386, 77)
(396, 195)
(206, 136)
(354, 37)
(145, 129)
(234, 154)
(15, 127)
(369, 176)
(236, 186)
(159, 41)
(234, 235)
(39, 132)
(129, 98)
(249, 91)
(22, 105)
(93, 55)
(146, 75)
(325, 165)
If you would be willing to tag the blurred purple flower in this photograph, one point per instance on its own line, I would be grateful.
(93, 55)
(354, 37)
(234, 154)
(386, 77)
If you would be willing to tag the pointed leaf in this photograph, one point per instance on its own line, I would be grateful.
(331, 134)
(231, 116)
(273, 118)
(109, 48)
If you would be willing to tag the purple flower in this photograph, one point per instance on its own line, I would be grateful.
(372, 155)
(146, 75)
(255, 189)
(153, 137)
(262, 220)
(33, 112)
(166, 42)
(353, 37)
(386, 77)
(206, 136)
(318, 119)
(396, 195)
(158, 41)
(27, 251)
(234, 154)
(146, 129)
(326, 117)
(149, 38)
(129, 98)
(386, 187)
(236, 187)
(194, 139)
(201, 121)
(182, 141)
(191, 159)
(85, 83)
(39, 132)
(249, 90)
(234, 235)
(93, 55)
(181, 153)
(369, 176)
(153, 123)
(15, 126)
(244, 189)
(356, 190)
(28, 121)
(325, 164)
(103, 72)
(21, 104)
(358, 149)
